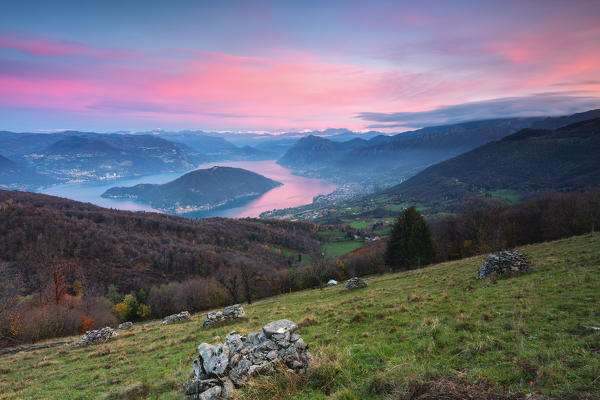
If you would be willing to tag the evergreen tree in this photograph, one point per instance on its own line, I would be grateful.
(410, 244)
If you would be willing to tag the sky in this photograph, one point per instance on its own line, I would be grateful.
(286, 66)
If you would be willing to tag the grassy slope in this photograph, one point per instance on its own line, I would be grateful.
(522, 334)
(335, 249)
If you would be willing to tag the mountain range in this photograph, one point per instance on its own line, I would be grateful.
(200, 190)
(112, 155)
(389, 159)
(217, 148)
(527, 162)
(339, 155)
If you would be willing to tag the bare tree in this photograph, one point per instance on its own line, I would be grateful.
(230, 278)
(250, 276)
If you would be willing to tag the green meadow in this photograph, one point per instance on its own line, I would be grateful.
(518, 335)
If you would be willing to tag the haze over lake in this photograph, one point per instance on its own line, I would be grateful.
(295, 191)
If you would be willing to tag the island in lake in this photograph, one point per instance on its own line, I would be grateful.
(200, 190)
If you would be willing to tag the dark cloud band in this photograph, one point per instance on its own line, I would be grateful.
(543, 104)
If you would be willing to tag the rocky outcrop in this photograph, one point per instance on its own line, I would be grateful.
(355, 283)
(183, 316)
(98, 336)
(126, 325)
(220, 368)
(505, 262)
(219, 318)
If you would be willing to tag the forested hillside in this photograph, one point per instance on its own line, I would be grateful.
(64, 262)
(132, 249)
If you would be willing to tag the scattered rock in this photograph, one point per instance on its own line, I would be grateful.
(355, 283)
(280, 329)
(332, 282)
(219, 318)
(592, 328)
(183, 316)
(98, 336)
(220, 368)
(503, 263)
(126, 325)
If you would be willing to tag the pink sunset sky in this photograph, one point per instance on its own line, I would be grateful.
(281, 66)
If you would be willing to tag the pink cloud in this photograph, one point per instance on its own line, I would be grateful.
(292, 89)
(43, 47)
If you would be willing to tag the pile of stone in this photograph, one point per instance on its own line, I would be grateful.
(220, 368)
(355, 283)
(98, 336)
(219, 318)
(126, 326)
(505, 262)
(183, 316)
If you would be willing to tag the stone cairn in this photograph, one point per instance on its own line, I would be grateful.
(355, 283)
(219, 318)
(126, 326)
(503, 263)
(183, 316)
(98, 336)
(220, 368)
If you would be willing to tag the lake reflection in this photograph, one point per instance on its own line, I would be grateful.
(296, 190)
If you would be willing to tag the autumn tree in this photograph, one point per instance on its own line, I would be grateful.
(410, 244)
(56, 284)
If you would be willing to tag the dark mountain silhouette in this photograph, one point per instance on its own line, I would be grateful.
(527, 162)
(199, 190)
(558, 122)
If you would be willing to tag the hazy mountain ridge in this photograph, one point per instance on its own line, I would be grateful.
(199, 190)
(16, 176)
(385, 158)
(316, 151)
(216, 148)
(92, 157)
(274, 145)
(530, 161)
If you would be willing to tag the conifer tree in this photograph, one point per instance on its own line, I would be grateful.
(410, 244)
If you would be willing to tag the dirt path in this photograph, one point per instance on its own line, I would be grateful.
(15, 350)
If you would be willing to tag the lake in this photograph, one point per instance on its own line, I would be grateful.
(295, 191)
